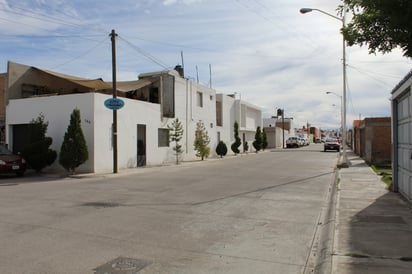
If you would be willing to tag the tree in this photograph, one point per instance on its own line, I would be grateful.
(257, 143)
(264, 140)
(73, 151)
(202, 141)
(245, 146)
(176, 135)
(237, 143)
(221, 149)
(382, 25)
(37, 152)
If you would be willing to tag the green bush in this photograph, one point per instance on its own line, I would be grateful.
(37, 152)
(221, 149)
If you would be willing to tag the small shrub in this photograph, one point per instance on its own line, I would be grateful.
(202, 141)
(37, 152)
(221, 149)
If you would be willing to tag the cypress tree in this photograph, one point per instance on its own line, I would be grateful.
(237, 143)
(264, 140)
(201, 141)
(176, 134)
(74, 150)
(257, 144)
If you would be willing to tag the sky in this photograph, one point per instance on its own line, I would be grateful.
(265, 51)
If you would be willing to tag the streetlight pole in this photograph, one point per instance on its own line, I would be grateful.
(344, 162)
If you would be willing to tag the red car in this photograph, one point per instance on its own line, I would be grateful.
(11, 163)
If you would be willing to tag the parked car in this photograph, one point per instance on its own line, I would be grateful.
(331, 144)
(305, 141)
(11, 163)
(292, 142)
(318, 141)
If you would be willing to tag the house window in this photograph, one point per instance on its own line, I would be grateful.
(219, 115)
(199, 98)
(168, 96)
(154, 95)
(163, 137)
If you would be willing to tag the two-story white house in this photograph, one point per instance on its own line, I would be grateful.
(151, 103)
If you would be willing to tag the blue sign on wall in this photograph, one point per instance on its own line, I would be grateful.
(114, 103)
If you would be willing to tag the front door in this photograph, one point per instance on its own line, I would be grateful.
(20, 137)
(141, 145)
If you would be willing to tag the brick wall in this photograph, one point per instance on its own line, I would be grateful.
(372, 140)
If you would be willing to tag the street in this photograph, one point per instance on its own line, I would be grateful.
(254, 213)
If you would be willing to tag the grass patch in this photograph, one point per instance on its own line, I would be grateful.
(355, 255)
(385, 172)
(406, 259)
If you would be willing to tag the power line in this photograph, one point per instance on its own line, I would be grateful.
(83, 54)
(268, 19)
(370, 76)
(145, 54)
(44, 18)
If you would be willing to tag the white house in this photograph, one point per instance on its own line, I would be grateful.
(277, 131)
(151, 103)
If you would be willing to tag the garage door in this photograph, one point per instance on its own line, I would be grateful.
(403, 145)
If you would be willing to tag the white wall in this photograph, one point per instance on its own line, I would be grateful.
(96, 121)
(228, 120)
(195, 113)
(56, 111)
(133, 113)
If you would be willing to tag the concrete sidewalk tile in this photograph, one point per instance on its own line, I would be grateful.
(349, 264)
(374, 226)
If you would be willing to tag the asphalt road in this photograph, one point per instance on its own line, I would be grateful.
(254, 213)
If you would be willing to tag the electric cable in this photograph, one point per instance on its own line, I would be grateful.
(144, 53)
(81, 55)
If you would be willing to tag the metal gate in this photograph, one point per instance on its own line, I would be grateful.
(402, 137)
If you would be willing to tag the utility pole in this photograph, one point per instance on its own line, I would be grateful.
(114, 129)
(280, 112)
(283, 128)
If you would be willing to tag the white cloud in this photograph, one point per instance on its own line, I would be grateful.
(265, 50)
(186, 2)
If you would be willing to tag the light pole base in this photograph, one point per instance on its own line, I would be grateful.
(343, 161)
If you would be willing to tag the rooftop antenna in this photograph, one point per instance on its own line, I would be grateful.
(197, 74)
(181, 56)
(210, 75)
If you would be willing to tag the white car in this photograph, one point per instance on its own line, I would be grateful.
(292, 142)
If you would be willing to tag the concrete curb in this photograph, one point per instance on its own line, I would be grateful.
(320, 256)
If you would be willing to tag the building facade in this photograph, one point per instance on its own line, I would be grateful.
(151, 103)
(372, 140)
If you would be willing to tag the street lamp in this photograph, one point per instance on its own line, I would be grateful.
(343, 162)
(341, 110)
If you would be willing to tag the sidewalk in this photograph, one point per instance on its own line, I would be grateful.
(373, 228)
